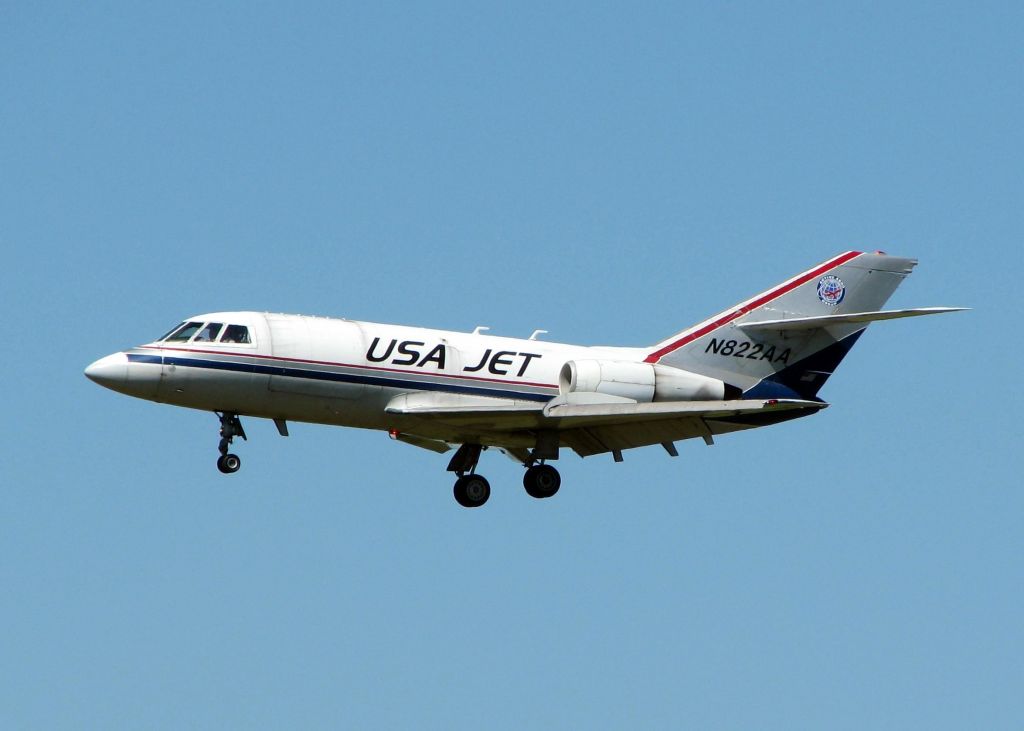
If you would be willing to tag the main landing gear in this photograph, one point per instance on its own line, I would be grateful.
(472, 490)
(541, 481)
(230, 427)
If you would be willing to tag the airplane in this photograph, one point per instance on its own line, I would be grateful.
(759, 363)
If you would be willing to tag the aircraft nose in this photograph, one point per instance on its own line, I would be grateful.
(110, 372)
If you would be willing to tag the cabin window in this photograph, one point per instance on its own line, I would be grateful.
(209, 333)
(183, 333)
(235, 334)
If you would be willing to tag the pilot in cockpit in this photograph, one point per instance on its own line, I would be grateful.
(209, 333)
(235, 334)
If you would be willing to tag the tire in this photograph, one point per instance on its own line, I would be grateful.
(472, 491)
(229, 464)
(542, 481)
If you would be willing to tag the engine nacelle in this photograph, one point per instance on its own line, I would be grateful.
(641, 382)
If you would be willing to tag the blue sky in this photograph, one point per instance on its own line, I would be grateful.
(610, 173)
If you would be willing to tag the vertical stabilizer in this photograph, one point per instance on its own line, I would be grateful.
(784, 362)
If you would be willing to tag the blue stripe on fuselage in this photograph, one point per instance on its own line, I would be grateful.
(152, 359)
(268, 370)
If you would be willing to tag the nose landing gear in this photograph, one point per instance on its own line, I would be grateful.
(230, 427)
(228, 463)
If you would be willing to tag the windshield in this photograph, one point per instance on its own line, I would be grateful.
(206, 332)
(168, 333)
(183, 333)
(209, 333)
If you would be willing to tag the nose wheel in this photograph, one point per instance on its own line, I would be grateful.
(228, 463)
(230, 427)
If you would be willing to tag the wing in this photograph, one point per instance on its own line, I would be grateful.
(596, 428)
(589, 428)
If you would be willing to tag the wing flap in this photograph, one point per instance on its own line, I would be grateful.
(591, 430)
(588, 441)
(577, 415)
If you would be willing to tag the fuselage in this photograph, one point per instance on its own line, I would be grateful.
(336, 371)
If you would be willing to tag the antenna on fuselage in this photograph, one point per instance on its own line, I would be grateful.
(480, 329)
(536, 333)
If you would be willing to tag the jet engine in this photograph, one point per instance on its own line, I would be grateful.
(641, 382)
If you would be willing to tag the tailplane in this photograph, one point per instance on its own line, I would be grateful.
(787, 341)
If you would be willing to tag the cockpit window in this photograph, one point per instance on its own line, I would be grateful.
(168, 333)
(183, 333)
(209, 333)
(235, 334)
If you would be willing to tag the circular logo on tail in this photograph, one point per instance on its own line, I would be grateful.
(831, 290)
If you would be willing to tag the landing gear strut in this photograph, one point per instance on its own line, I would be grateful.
(471, 490)
(230, 427)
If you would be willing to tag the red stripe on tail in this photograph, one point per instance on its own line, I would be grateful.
(762, 300)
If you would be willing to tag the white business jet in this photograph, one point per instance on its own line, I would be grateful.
(758, 363)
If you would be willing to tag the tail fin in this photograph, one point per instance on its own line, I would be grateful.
(787, 341)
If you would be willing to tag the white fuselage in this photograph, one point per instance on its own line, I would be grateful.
(342, 372)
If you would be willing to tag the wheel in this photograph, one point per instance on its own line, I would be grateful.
(542, 481)
(472, 491)
(228, 463)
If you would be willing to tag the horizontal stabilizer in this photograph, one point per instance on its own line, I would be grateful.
(810, 323)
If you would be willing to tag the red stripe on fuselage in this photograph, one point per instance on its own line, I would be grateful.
(349, 365)
(762, 300)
